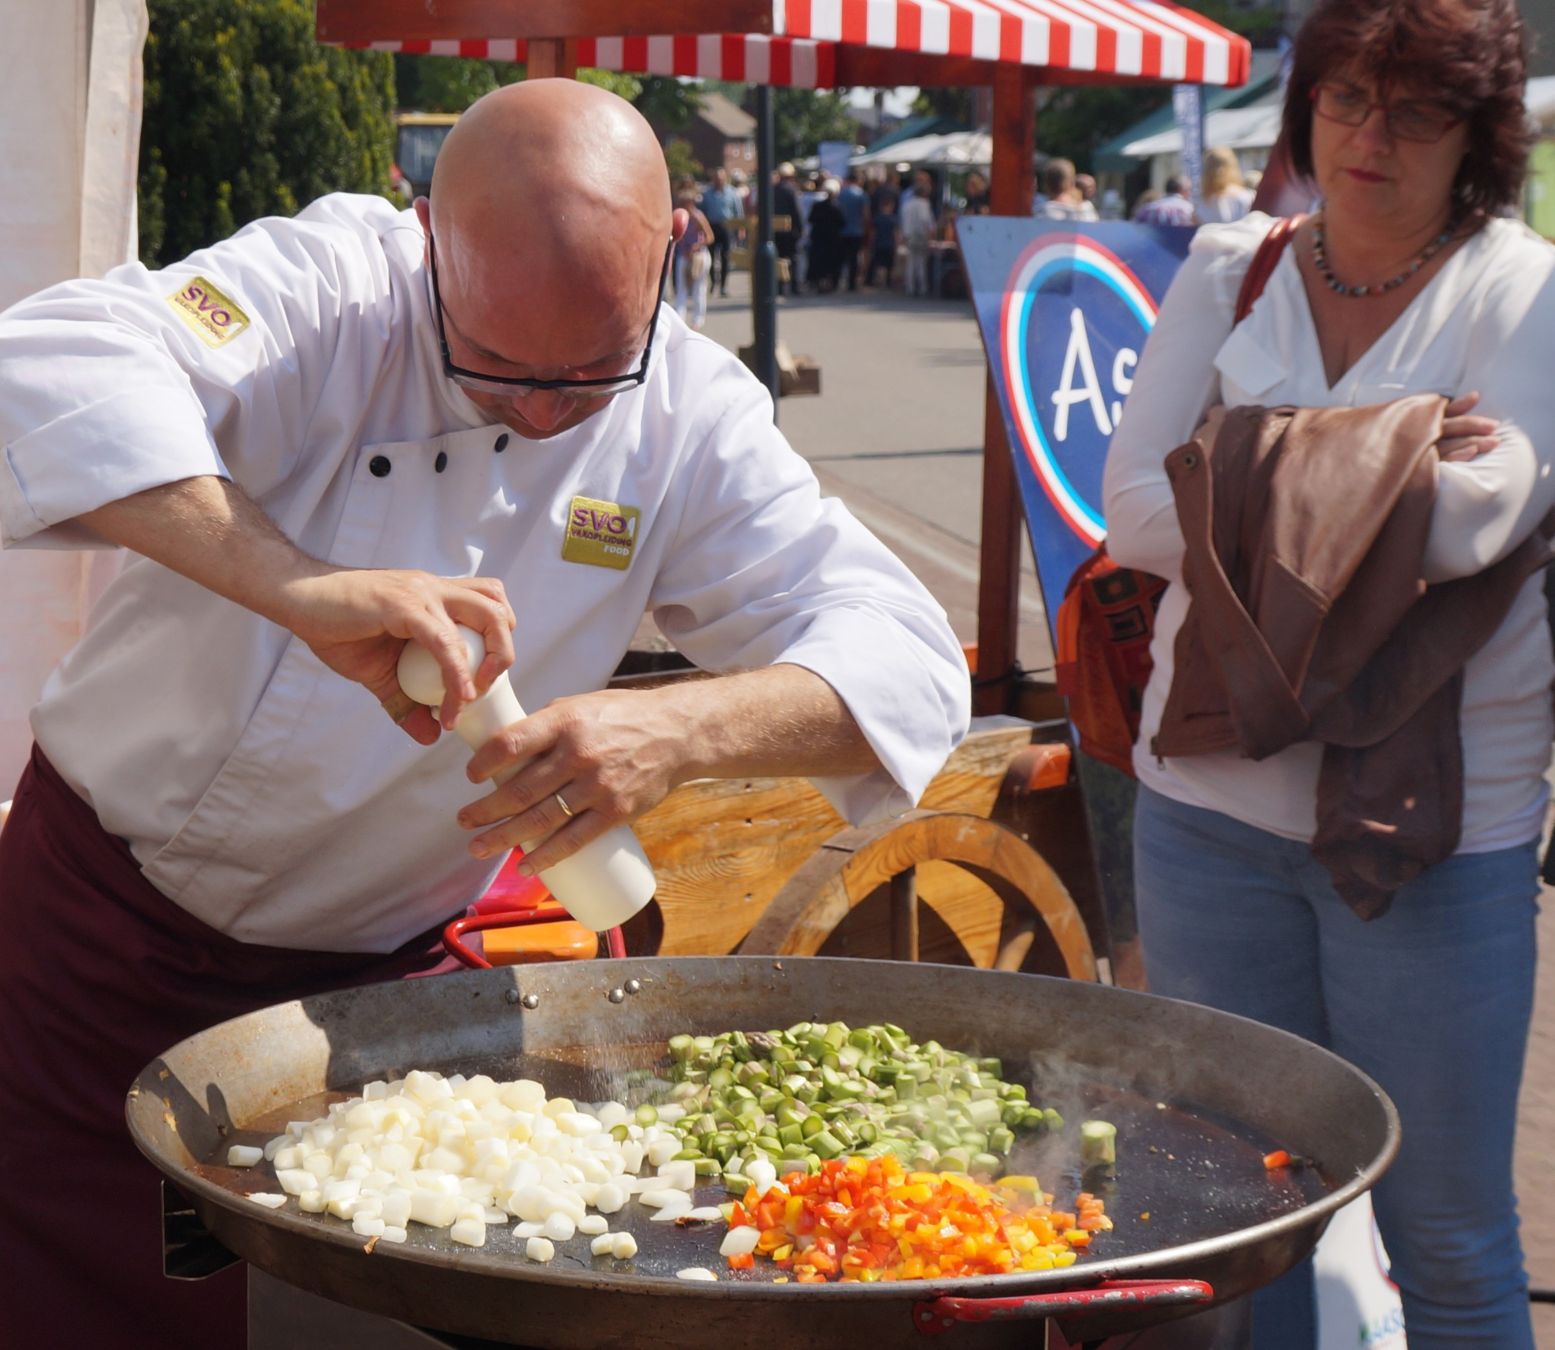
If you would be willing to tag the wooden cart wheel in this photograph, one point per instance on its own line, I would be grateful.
(855, 862)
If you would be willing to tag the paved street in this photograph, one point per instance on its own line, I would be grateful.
(897, 434)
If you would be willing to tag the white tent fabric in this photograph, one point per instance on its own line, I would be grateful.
(1254, 128)
(955, 149)
(70, 104)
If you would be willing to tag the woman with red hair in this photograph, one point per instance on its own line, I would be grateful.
(1408, 115)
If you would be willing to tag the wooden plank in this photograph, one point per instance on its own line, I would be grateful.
(359, 21)
(723, 848)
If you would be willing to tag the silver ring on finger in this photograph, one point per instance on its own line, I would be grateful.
(562, 802)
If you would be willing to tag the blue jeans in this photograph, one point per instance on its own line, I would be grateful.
(1432, 1000)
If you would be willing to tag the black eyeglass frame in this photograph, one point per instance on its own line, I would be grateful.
(614, 384)
(1315, 93)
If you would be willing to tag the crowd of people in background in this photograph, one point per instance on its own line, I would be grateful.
(871, 230)
(884, 228)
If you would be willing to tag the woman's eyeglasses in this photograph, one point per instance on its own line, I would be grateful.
(507, 387)
(1408, 120)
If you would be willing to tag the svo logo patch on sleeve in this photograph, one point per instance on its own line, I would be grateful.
(206, 309)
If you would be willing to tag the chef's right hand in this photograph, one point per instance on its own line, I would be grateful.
(358, 622)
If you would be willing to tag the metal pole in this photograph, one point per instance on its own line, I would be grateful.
(764, 255)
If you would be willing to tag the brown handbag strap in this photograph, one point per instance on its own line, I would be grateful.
(1265, 260)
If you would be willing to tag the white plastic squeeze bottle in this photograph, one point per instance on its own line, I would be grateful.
(605, 882)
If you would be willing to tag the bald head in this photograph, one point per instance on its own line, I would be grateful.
(551, 213)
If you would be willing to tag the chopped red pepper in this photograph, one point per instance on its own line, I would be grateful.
(868, 1219)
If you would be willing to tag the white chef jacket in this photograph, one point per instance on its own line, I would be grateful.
(1485, 321)
(267, 795)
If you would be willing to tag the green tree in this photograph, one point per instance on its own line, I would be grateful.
(453, 83)
(246, 115)
(680, 161)
(801, 118)
(1075, 119)
(448, 83)
(944, 101)
(668, 104)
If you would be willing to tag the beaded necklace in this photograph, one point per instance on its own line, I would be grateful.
(1320, 258)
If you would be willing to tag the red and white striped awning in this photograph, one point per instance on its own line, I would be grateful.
(1121, 39)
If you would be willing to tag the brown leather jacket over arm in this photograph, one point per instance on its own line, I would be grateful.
(1305, 529)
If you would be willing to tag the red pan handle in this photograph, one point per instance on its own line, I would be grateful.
(934, 1317)
(453, 933)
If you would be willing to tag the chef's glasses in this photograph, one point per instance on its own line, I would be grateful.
(605, 386)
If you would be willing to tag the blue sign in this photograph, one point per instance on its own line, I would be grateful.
(1188, 108)
(1065, 310)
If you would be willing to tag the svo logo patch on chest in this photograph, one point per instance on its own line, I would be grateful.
(601, 534)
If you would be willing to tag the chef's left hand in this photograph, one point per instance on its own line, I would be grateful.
(609, 756)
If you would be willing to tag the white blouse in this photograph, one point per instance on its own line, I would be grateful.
(1486, 321)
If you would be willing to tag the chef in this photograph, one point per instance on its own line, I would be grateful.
(319, 439)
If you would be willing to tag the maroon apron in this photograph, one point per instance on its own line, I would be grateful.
(100, 973)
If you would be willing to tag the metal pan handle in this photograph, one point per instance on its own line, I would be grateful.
(934, 1317)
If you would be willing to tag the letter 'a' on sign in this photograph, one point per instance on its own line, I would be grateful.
(208, 310)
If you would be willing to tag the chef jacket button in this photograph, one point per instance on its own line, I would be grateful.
(502, 443)
(379, 466)
(441, 462)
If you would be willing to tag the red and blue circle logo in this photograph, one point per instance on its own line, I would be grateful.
(1073, 323)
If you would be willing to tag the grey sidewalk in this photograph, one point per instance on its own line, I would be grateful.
(897, 434)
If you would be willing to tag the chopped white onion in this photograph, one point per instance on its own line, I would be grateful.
(695, 1273)
(266, 1199)
(671, 1213)
(705, 1213)
(763, 1176)
(461, 1153)
(602, 1244)
(739, 1241)
(610, 1199)
(539, 1249)
(663, 1148)
(681, 1174)
(559, 1227)
(471, 1232)
(244, 1155)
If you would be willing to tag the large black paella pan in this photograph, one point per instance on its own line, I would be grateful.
(1198, 1098)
